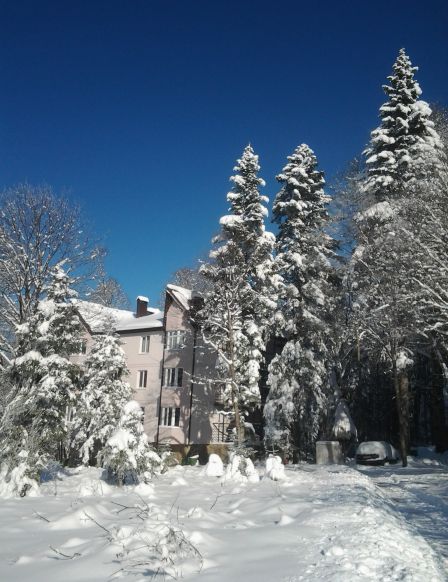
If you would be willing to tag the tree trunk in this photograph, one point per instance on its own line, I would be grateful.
(401, 384)
(232, 374)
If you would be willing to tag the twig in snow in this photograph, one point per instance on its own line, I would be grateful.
(65, 556)
(41, 516)
(98, 524)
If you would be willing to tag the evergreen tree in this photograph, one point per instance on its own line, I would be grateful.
(103, 396)
(405, 147)
(239, 305)
(44, 381)
(404, 154)
(127, 455)
(298, 376)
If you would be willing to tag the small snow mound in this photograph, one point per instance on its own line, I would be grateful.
(275, 469)
(240, 470)
(179, 481)
(214, 467)
(334, 551)
(24, 560)
(285, 520)
(144, 489)
(89, 487)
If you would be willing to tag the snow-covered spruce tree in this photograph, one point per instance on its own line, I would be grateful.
(405, 147)
(405, 152)
(44, 381)
(298, 376)
(239, 305)
(127, 455)
(103, 396)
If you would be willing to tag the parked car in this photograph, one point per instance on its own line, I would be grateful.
(376, 453)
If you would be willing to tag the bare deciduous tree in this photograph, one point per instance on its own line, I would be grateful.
(38, 229)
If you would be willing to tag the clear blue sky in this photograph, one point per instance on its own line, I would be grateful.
(140, 107)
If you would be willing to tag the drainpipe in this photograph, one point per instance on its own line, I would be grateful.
(195, 333)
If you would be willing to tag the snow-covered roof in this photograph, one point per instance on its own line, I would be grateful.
(143, 298)
(101, 319)
(152, 321)
(182, 295)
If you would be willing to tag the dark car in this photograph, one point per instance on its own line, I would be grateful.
(376, 453)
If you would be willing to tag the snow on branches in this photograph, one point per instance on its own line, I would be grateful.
(298, 376)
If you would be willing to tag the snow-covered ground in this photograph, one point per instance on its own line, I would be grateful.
(320, 524)
(419, 493)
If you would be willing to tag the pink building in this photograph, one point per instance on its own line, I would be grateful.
(170, 370)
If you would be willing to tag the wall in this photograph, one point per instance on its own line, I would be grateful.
(151, 361)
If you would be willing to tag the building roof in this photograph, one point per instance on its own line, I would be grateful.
(182, 295)
(152, 321)
(101, 319)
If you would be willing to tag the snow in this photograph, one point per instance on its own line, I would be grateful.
(143, 298)
(275, 469)
(321, 524)
(230, 220)
(403, 361)
(382, 449)
(382, 211)
(214, 467)
(240, 470)
(153, 321)
(343, 427)
(182, 295)
(100, 318)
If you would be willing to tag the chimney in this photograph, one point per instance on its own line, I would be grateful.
(142, 306)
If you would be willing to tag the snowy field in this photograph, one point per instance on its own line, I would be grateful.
(320, 524)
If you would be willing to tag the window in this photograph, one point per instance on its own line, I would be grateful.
(142, 408)
(144, 344)
(170, 417)
(175, 339)
(142, 378)
(172, 376)
(82, 348)
(70, 414)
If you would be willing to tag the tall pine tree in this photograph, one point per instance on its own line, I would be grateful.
(298, 376)
(239, 306)
(405, 152)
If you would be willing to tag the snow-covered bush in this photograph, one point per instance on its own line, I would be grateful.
(44, 383)
(343, 428)
(103, 396)
(150, 542)
(240, 469)
(127, 455)
(214, 467)
(19, 472)
(275, 469)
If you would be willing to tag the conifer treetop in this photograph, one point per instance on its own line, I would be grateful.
(244, 198)
(302, 192)
(405, 146)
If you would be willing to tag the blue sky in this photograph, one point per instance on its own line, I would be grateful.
(140, 107)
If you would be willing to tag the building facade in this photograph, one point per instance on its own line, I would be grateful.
(170, 371)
